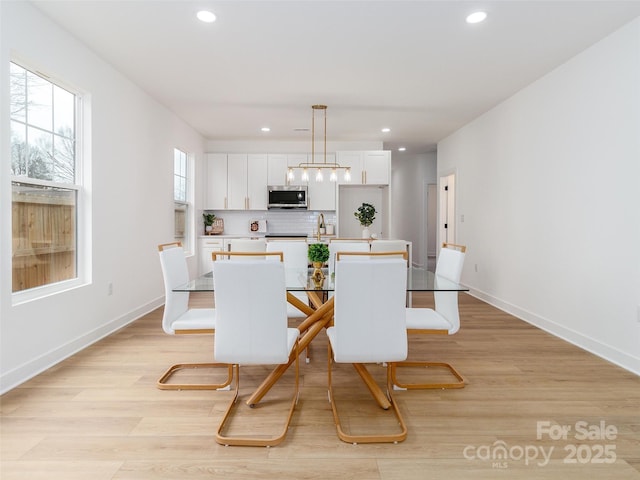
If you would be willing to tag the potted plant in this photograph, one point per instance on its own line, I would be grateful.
(365, 214)
(208, 221)
(318, 254)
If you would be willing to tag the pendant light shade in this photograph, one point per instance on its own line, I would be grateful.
(319, 110)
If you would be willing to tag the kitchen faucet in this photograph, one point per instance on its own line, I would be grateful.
(320, 222)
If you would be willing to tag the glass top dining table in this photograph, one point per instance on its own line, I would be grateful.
(321, 313)
(301, 280)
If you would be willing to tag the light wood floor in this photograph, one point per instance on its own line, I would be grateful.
(99, 416)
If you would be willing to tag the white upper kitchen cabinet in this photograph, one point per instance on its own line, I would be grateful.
(322, 195)
(236, 181)
(376, 167)
(353, 160)
(216, 190)
(367, 167)
(277, 169)
(293, 160)
(257, 172)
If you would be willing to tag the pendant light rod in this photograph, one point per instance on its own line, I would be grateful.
(320, 165)
(313, 131)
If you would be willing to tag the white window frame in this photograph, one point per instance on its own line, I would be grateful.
(81, 183)
(187, 203)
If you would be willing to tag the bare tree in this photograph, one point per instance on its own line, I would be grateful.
(51, 156)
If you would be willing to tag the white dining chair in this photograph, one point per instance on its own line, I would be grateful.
(247, 245)
(295, 258)
(388, 245)
(345, 246)
(178, 318)
(251, 329)
(369, 326)
(443, 320)
(379, 246)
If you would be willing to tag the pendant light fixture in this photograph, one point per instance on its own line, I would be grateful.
(319, 167)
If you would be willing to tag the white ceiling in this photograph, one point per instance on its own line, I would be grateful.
(413, 66)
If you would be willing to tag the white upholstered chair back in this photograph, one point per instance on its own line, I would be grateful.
(295, 252)
(247, 245)
(174, 273)
(369, 311)
(449, 266)
(345, 246)
(450, 263)
(251, 305)
(388, 246)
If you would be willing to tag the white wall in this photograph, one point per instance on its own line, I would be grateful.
(548, 184)
(410, 175)
(131, 190)
(350, 198)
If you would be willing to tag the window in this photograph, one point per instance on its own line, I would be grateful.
(181, 194)
(45, 188)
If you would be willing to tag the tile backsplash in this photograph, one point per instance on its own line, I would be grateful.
(278, 221)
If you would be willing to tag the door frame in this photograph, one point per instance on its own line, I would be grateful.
(447, 207)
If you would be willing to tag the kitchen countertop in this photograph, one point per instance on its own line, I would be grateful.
(262, 235)
(311, 238)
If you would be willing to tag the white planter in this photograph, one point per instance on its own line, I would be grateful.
(366, 233)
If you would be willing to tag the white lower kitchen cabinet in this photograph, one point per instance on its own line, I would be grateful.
(206, 246)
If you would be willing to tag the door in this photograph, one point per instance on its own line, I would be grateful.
(432, 220)
(447, 218)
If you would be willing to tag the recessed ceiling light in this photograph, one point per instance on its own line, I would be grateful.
(476, 17)
(265, 129)
(402, 149)
(206, 16)
(386, 130)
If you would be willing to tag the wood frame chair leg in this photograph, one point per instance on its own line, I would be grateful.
(373, 438)
(254, 441)
(460, 383)
(163, 385)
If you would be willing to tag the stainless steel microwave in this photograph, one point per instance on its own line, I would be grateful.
(287, 196)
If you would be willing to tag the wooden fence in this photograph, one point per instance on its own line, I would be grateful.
(44, 239)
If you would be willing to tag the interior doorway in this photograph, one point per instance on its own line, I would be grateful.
(447, 197)
(431, 225)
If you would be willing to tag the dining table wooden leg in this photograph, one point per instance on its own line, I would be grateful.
(315, 299)
(299, 304)
(309, 328)
(373, 387)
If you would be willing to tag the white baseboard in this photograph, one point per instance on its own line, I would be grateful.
(602, 350)
(28, 370)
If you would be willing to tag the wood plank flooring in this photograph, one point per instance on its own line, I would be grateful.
(99, 415)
